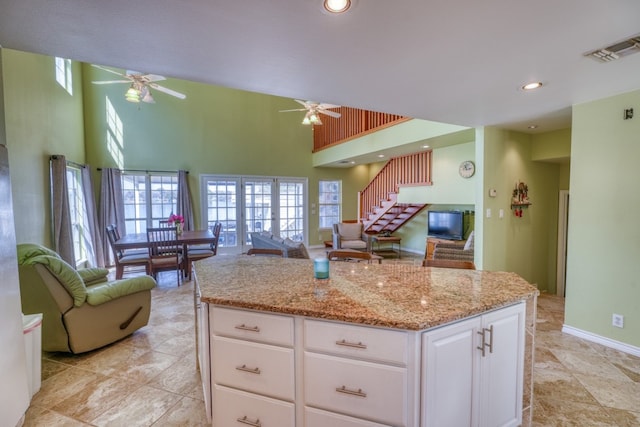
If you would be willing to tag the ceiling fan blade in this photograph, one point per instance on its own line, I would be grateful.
(167, 91)
(330, 113)
(305, 104)
(108, 70)
(106, 82)
(296, 109)
(153, 77)
(324, 106)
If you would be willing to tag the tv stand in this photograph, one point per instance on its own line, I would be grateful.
(433, 241)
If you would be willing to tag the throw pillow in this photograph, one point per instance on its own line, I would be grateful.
(350, 231)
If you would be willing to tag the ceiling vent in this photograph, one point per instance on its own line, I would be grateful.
(617, 50)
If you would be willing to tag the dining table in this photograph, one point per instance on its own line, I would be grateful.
(187, 237)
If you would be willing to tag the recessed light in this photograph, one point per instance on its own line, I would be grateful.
(532, 127)
(532, 86)
(381, 155)
(337, 6)
(425, 146)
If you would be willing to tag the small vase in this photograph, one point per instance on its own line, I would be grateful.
(179, 226)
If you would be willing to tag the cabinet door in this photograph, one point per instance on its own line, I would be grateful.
(235, 408)
(202, 319)
(450, 359)
(502, 368)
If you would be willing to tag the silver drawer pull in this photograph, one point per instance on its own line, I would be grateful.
(345, 390)
(248, 328)
(245, 420)
(251, 371)
(351, 344)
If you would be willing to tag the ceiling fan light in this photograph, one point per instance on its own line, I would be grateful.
(337, 6)
(306, 121)
(132, 95)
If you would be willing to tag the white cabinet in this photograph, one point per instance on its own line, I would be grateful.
(252, 368)
(202, 346)
(473, 371)
(356, 371)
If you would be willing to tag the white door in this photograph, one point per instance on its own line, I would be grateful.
(450, 363)
(502, 368)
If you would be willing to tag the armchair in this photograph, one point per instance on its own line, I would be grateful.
(82, 310)
(453, 251)
(350, 236)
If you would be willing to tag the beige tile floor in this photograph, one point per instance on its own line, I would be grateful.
(149, 378)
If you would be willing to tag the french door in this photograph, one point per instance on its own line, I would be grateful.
(244, 204)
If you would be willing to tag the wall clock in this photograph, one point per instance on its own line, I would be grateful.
(467, 169)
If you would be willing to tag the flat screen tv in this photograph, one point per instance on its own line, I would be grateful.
(446, 224)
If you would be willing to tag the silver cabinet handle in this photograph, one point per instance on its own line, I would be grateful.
(243, 327)
(482, 346)
(245, 420)
(490, 330)
(351, 344)
(357, 392)
(484, 340)
(249, 370)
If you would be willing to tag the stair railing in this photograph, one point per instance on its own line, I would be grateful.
(412, 169)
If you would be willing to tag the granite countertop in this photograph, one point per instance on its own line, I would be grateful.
(402, 296)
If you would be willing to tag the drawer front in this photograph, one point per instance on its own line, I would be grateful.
(357, 388)
(255, 367)
(268, 328)
(319, 418)
(235, 408)
(380, 345)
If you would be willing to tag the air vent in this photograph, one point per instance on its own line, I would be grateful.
(617, 50)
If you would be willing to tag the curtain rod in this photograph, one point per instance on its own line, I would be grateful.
(145, 170)
(69, 162)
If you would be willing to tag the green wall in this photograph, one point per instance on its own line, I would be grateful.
(215, 130)
(524, 245)
(602, 269)
(42, 118)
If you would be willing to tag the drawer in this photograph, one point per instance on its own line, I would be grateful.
(235, 408)
(319, 418)
(361, 389)
(248, 325)
(374, 344)
(254, 367)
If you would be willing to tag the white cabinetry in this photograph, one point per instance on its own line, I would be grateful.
(357, 371)
(473, 371)
(252, 368)
(202, 345)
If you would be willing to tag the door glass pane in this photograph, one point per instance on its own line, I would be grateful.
(291, 206)
(221, 207)
(257, 206)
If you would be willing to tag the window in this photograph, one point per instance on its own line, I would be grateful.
(329, 203)
(77, 212)
(148, 199)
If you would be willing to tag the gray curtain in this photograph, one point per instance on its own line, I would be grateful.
(60, 215)
(184, 206)
(111, 208)
(93, 236)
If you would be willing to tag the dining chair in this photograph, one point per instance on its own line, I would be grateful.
(449, 263)
(125, 259)
(133, 251)
(266, 251)
(198, 252)
(352, 255)
(165, 251)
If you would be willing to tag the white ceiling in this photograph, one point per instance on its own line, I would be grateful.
(453, 61)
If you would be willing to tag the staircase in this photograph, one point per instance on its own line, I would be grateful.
(378, 207)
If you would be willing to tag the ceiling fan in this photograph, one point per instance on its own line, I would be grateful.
(313, 110)
(140, 84)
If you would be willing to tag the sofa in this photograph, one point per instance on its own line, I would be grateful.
(455, 251)
(82, 310)
(290, 249)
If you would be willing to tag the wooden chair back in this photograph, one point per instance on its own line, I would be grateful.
(165, 251)
(449, 263)
(342, 255)
(265, 251)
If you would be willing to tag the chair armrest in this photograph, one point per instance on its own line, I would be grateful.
(102, 293)
(336, 241)
(92, 276)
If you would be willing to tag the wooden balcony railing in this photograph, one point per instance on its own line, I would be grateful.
(353, 123)
(412, 169)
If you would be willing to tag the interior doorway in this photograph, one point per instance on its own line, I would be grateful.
(563, 229)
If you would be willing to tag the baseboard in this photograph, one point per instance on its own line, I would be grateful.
(607, 342)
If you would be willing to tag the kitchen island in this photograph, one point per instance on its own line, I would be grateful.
(373, 345)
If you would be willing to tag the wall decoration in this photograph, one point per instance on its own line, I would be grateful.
(520, 198)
